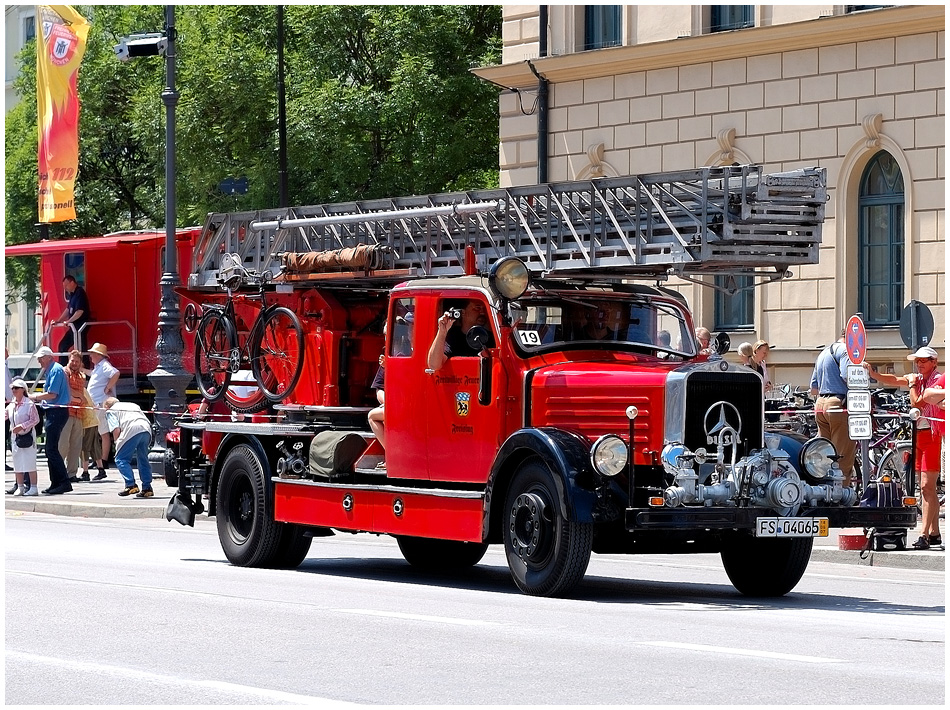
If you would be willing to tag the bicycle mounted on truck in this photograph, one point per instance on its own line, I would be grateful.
(589, 422)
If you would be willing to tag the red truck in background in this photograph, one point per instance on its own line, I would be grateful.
(586, 420)
(120, 273)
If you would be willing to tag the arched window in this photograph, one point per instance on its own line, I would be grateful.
(881, 242)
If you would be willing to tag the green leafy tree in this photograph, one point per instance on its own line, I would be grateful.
(380, 102)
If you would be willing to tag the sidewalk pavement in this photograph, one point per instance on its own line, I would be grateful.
(100, 499)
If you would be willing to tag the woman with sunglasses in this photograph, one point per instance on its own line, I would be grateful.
(22, 415)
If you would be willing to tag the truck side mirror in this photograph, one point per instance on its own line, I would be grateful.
(721, 343)
(478, 337)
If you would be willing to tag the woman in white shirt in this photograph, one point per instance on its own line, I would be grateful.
(22, 415)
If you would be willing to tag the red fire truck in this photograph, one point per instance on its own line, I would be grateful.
(120, 273)
(582, 417)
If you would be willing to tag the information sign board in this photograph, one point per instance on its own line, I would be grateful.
(858, 378)
(859, 402)
(859, 426)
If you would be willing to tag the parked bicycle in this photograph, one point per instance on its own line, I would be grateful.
(273, 348)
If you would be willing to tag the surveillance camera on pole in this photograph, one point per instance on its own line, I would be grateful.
(144, 45)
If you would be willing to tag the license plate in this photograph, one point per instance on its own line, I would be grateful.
(791, 527)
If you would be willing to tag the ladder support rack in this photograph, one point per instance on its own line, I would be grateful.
(717, 220)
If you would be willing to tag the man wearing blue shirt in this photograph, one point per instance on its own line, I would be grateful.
(830, 382)
(54, 399)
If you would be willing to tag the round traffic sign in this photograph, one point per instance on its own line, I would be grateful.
(917, 325)
(856, 340)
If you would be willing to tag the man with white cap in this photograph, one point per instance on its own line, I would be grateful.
(930, 428)
(102, 382)
(54, 399)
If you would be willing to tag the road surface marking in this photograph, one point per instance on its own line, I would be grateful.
(741, 652)
(137, 675)
(417, 617)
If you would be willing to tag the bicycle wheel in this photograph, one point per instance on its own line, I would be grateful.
(244, 396)
(896, 463)
(277, 353)
(215, 340)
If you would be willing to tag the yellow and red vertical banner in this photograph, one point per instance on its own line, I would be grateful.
(59, 50)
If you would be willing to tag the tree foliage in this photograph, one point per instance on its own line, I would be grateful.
(380, 102)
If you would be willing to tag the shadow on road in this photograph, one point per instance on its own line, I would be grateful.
(602, 590)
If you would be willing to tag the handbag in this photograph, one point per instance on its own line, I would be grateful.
(25, 439)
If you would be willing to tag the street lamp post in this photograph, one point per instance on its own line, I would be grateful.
(169, 379)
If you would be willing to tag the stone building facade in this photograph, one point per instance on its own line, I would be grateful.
(858, 90)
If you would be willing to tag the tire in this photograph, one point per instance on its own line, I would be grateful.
(765, 567)
(436, 555)
(249, 535)
(547, 554)
(215, 341)
(245, 396)
(292, 548)
(277, 353)
(893, 463)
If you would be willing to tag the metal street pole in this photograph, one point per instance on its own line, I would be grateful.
(169, 378)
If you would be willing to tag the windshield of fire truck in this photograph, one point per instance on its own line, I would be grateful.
(547, 322)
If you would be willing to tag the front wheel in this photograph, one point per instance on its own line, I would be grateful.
(249, 535)
(277, 353)
(547, 553)
(215, 341)
(765, 567)
(435, 555)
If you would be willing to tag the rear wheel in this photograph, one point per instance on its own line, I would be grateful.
(215, 341)
(547, 554)
(277, 353)
(249, 535)
(429, 554)
(765, 567)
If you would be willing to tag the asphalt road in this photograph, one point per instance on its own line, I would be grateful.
(143, 611)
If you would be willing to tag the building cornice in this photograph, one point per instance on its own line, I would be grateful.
(752, 41)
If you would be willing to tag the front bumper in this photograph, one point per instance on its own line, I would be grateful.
(687, 518)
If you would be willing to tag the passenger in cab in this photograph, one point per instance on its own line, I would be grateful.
(451, 336)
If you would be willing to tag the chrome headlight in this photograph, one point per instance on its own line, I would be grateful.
(509, 278)
(608, 455)
(817, 457)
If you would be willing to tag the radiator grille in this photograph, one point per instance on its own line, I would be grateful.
(703, 389)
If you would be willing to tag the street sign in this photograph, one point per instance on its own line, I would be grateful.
(856, 340)
(859, 426)
(859, 401)
(858, 378)
(917, 325)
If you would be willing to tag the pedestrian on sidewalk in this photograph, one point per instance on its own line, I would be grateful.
(91, 440)
(829, 385)
(21, 413)
(929, 435)
(133, 436)
(102, 382)
(70, 443)
(55, 400)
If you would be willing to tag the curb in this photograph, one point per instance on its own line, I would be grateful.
(86, 510)
(921, 559)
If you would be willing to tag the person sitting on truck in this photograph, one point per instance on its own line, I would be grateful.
(451, 336)
(75, 314)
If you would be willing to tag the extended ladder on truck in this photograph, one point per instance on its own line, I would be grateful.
(733, 220)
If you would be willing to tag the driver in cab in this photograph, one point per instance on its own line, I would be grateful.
(451, 337)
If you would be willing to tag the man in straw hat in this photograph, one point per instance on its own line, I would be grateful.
(55, 400)
(930, 428)
(102, 382)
